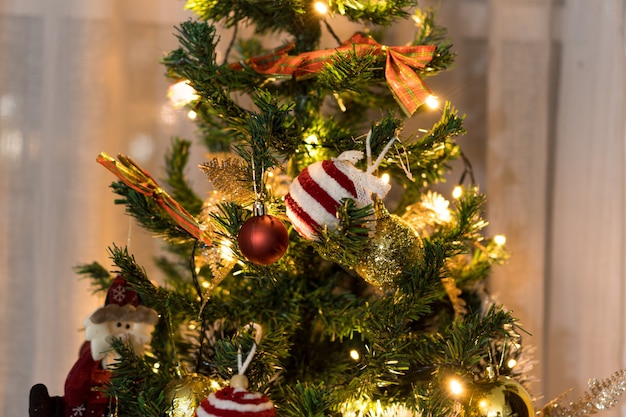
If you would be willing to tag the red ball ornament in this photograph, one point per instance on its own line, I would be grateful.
(263, 239)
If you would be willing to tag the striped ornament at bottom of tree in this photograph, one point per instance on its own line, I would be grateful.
(236, 402)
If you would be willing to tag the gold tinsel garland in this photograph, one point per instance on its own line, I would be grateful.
(602, 395)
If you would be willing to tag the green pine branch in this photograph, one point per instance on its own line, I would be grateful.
(149, 214)
(345, 244)
(136, 388)
(296, 17)
(430, 33)
(98, 275)
(378, 13)
(176, 162)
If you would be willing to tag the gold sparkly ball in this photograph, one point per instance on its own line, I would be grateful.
(185, 394)
(502, 397)
(395, 247)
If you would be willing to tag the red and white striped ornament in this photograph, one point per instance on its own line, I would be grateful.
(236, 402)
(316, 193)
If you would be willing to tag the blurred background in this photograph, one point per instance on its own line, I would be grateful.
(543, 84)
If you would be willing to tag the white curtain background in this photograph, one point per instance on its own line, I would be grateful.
(542, 83)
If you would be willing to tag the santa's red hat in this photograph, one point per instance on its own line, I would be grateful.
(120, 294)
(123, 304)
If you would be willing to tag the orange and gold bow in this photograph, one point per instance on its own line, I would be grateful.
(140, 180)
(407, 87)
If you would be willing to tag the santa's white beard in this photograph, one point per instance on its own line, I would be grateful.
(102, 335)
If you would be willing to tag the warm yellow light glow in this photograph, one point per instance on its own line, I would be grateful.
(192, 115)
(226, 251)
(354, 354)
(457, 192)
(455, 386)
(482, 404)
(385, 178)
(205, 284)
(181, 93)
(311, 140)
(499, 240)
(321, 7)
(432, 102)
(436, 203)
(511, 363)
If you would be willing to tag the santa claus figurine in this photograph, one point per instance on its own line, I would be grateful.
(122, 317)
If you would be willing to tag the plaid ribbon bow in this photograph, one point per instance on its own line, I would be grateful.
(131, 174)
(406, 85)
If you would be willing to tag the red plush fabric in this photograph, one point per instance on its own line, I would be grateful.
(80, 397)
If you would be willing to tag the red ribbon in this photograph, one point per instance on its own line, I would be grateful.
(140, 180)
(407, 87)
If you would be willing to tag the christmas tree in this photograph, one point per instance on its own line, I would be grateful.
(323, 272)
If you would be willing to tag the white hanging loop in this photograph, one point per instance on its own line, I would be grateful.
(368, 148)
(405, 164)
(240, 380)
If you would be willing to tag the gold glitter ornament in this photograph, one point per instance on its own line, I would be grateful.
(501, 397)
(185, 394)
(394, 247)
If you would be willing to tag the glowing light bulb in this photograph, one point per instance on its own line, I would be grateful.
(311, 140)
(321, 7)
(432, 102)
(192, 115)
(511, 363)
(457, 192)
(354, 354)
(181, 93)
(226, 251)
(499, 240)
(455, 386)
(385, 178)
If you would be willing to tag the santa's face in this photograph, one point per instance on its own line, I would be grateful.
(135, 333)
(109, 325)
(121, 329)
